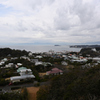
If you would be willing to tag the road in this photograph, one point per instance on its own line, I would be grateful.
(7, 88)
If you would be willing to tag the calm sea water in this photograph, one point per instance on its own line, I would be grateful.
(43, 48)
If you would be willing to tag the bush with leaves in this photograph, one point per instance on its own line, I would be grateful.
(77, 84)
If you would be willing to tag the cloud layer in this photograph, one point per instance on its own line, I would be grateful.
(49, 21)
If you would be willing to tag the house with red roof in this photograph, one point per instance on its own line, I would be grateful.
(54, 71)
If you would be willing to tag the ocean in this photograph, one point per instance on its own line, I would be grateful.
(42, 48)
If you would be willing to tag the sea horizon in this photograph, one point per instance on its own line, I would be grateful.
(42, 48)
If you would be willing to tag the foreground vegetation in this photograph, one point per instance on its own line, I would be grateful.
(23, 95)
(77, 84)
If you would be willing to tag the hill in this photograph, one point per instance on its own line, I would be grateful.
(89, 51)
(75, 85)
(12, 52)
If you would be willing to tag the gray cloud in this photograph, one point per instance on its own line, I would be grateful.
(51, 20)
(21, 27)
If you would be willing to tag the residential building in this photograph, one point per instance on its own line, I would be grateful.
(54, 71)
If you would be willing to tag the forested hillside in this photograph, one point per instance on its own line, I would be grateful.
(89, 51)
(12, 52)
(75, 85)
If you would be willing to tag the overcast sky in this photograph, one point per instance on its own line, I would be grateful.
(49, 21)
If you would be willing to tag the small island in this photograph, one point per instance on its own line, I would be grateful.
(56, 45)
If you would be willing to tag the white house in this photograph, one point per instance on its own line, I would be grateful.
(64, 63)
(18, 78)
(30, 54)
(64, 56)
(80, 60)
(9, 65)
(5, 59)
(25, 72)
(38, 57)
(24, 75)
(94, 49)
(46, 63)
(34, 60)
(2, 62)
(96, 59)
(24, 57)
(38, 63)
(14, 58)
(19, 64)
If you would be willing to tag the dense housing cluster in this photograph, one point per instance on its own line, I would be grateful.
(30, 67)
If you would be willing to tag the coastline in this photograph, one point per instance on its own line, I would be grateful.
(42, 48)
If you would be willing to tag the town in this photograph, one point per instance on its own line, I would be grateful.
(18, 70)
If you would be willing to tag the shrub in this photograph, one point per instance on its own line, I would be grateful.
(15, 88)
(37, 84)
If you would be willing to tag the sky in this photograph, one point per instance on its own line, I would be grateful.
(49, 21)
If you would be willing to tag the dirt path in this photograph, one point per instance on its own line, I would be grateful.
(32, 92)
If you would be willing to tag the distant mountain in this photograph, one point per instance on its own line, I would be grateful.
(84, 46)
(94, 43)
